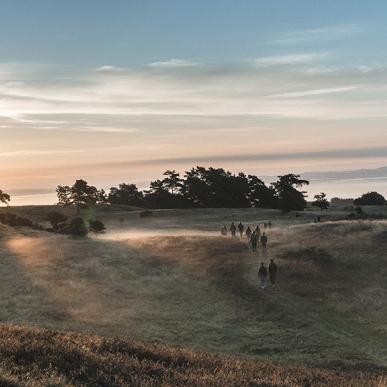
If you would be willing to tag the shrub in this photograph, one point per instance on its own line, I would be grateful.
(77, 227)
(13, 220)
(370, 199)
(57, 219)
(96, 226)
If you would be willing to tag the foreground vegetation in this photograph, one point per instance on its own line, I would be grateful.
(37, 357)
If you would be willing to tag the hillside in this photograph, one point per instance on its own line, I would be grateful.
(37, 357)
(171, 279)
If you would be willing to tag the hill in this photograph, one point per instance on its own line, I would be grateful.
(37, 357)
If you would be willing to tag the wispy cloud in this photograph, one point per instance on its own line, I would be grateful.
(291, 59)
(327, 33)
(173, 63)
(316, 92)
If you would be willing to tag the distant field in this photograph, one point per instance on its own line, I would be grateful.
(172, 279)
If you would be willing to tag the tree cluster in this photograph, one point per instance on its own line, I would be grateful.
(200, 187)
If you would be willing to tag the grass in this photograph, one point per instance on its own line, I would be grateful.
(172, 280)
(37, 357)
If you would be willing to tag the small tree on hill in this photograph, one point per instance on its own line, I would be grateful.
(321, 201)
(287, 190)
(4, 197)
(80, 194)
(172, 181)
(370, 199)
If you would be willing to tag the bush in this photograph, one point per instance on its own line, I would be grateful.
(57, 219)
(370, 199)
(77, 227)
(96, 226)
(14, 220)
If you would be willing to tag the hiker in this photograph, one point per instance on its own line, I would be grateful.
(264, 243)
(223, 230)
(272, 272)
(233, 230)
(262, 273)
(248, 233)
(240, 228)
(253, 241)
(258, 232)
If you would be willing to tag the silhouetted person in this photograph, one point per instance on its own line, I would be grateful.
(272, 272)
(254, 241)
(262, 274)
(223, 230)
(264, 242)
(258, 232)
(240, 229)
(233, 230)
(248, 233)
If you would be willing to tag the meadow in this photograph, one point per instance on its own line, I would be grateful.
(171, 282)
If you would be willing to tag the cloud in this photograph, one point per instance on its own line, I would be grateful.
(173, 63)
(322, 33)
(308, 93)
(291, 59)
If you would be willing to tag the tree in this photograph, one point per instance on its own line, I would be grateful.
(4, 197)
(321, 201)
(288, 194)
(259, 194)
(80, 194)
(125, 194)
(370, 199)
(172, 182)
(56, 219)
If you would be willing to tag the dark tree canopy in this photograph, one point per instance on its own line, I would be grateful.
(125, 194)
(80, 194)
(288, 192)
(321, 201)
(370, 199)
(200, 187)
(4, 197)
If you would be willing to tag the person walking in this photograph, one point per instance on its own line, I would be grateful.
(248, 233)
(254, 241)
(241, 229)
(223, 230)
(272, 272)
(233, 230)
(264, 243)
(262, 274)
(258, 232)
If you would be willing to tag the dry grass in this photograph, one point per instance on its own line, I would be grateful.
(173, 280)
(36, 357)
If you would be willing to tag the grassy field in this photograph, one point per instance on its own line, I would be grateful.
(172, 279)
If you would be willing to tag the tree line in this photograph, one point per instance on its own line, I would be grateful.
(200, 187)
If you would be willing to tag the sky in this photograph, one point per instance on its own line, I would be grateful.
(119, 91)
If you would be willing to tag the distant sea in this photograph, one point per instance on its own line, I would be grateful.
(343, 188)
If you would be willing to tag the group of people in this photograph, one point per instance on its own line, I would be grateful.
(262, 273)
(254, 237)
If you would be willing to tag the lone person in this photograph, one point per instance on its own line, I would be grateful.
(240, 228)
(248, 233)
(264, 243)
(233, 230)
(253, 241)
(262, 273)
(272, 272)
(223, 230)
